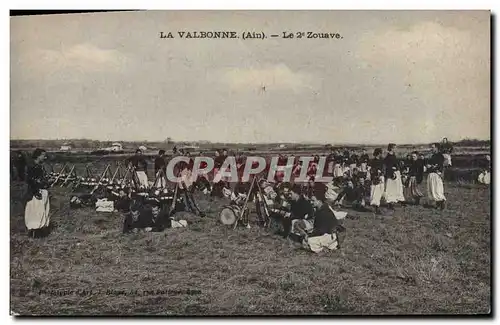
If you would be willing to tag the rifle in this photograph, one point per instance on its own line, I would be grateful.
(69, 176)
(100, 179)
(261, 198)
(59, 175)
(174, 201)
(243, 210)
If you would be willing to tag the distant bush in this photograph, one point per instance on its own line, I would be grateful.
(473, 143)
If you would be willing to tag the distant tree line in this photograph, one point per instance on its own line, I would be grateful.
(473, 143)
(87, 144)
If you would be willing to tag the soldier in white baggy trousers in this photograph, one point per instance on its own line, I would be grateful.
(36, 213)
(435, 186)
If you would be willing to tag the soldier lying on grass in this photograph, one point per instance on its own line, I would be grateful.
(149, 218)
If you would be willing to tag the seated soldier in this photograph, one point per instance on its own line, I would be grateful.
(332, 192)
(218, 189)
(309, 189)
(239, 196)
(270, 194)
(227, 192)
(202, 184)
(353, 172)
(353, 195)
(243, 188)
(300, 208)
(281, 190)
(280, 206)
(266, 199)
(326, 227)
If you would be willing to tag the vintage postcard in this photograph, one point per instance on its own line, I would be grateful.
(250, 163)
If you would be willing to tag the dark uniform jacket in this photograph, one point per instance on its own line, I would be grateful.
(36, 180)
(324, 221)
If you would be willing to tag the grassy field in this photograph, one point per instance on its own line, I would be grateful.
(419, 261)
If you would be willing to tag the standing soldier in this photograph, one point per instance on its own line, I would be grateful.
(36, 214)
(393, 183)
(140, 167)
(218, 162)
(353, 161)
(161, 167)
(337, 166)
(377, 179)
(364, 159)
(435, 186)
(446, 150)
(20, 164)
(414, 174)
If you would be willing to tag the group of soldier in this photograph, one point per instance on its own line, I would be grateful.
(306, 209)
(359, 182)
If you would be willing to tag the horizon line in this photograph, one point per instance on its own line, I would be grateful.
(244, 143)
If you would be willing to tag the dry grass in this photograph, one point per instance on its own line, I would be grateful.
(420, 261)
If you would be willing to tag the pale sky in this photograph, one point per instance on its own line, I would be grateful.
(396, 76)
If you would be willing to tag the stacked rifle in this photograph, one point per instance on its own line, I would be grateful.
(114, 181)
(120, 178)
(263, 196)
